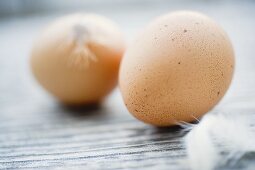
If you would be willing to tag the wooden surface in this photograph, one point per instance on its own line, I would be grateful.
(37, 132)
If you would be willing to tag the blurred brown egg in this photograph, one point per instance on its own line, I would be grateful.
(179, 68)
(77, 58)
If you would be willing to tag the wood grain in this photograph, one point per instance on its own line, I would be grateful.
(36, 132)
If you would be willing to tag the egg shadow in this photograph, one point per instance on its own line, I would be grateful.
(171, 132)
(175, 128)
(95, 111)
(157, 134)
(167, 130)
(171, 129)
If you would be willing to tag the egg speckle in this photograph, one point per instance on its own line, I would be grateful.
(179, 68)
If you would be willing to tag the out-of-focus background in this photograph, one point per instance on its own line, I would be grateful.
(36, 132)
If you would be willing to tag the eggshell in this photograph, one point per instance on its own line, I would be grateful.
(77, 58)
(177, 69)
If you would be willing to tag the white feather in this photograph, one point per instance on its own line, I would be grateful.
(220, 140)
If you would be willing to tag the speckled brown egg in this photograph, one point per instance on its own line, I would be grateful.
(177, 69)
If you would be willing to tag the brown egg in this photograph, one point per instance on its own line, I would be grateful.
(77, 58)
(178, 68)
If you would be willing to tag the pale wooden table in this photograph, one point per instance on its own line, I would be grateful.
(38, 133)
